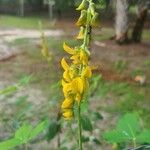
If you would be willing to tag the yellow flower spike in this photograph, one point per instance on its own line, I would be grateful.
(64, 64)
(68, 114)
(82, 5)
(67, 103)
(82, 19)
(81, 33)
(68, 49)
(87, 72)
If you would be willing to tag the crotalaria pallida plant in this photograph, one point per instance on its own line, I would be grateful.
(77, 72)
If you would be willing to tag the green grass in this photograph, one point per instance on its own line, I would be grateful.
(31, 22)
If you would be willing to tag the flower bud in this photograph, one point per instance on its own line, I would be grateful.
(94, 20)
(92, 8)
(81, 33)
(82, 19)
(82, 5)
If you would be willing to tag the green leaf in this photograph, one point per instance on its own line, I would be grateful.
(8, 90)
(96, 141)
(85, 139)
(144, 137)
(115, 136)
(129, 125)
(38, 129)
(23, 133)
(9, 144)
(53, 129)
(86, 124)
(97, 116)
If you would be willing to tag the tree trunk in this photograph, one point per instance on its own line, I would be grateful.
(139, 24)
(21, 8)
(122, 8)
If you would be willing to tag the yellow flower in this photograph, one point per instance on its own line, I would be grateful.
(77, 85)
(68, 49)
(66, 76)
(68, 114)
(87, 73)
(81, 33)
(67, 89)
(67, 103)
(83, 57)
(64, 64)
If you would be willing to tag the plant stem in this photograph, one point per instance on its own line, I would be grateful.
(79, 128)
(134, 143)
(26, 146)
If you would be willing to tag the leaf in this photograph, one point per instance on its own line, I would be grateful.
(23, 133)
(97, 116)
(144, 137)
(129, 125)
(86, 124)
(8, 90)
(96, 141)
(115, 136)
(9, 144)
(38, 129)
(85, 139)
(25, 80)
(53, 129)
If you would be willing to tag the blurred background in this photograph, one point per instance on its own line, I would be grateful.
(30, 88)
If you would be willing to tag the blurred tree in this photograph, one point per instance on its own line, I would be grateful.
(122, 9)
(143, 6)
(21, 11)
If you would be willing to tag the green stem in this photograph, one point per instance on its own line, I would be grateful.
(79, 128)
(26, 146)
(134, 142)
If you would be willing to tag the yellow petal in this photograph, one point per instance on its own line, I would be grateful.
(67, 103)
(66, 76)
(64, 64)
(67, 88)
(68, 114)
(83, 57)
(68, 49)
(87, 73)
(77, 85)
(75, 59)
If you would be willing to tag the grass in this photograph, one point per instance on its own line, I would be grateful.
(30, 22)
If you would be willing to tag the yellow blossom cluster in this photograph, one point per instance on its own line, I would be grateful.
(75, 79)
(77, 72)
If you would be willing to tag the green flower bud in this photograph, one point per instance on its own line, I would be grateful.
(82, 5)
(82, 19)
(92, 8)
(94, 21)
